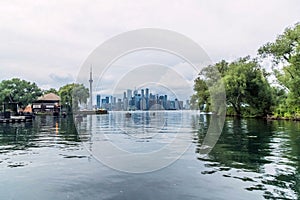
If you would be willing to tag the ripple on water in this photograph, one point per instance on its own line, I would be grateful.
(258, 157)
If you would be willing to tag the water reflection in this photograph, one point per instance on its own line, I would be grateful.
(139, 127)
(141, 142)
(20, 140)
(263, 153)
(16, 136)
(252, 159)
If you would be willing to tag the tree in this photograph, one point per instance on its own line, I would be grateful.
(285, 52)
(201, 97)
(51, 90)
(247, 86)
(209, 87)
(21, 91)
(73, 94)
(247, 89)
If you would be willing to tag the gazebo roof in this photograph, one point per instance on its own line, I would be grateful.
(49, 97)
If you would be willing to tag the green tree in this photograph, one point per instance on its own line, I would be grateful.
(285, 55)
(209, 89)
(201, 97)
(73, 94)
(20, 91)
(247, 89)
(51, 90)
(247, 86)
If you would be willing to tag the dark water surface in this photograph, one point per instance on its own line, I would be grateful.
(48, 159)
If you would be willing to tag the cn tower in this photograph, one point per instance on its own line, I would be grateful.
(91, 90)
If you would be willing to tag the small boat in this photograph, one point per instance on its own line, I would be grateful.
(101, 111)
(128, 115)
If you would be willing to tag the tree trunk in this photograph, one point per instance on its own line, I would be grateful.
(237, 109)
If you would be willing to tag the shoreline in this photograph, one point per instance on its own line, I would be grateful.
(268, 117)
(282, 118)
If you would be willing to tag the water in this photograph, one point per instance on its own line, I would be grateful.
(49, 159)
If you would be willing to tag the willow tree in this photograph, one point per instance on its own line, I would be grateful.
(247, 89)
(72, 95)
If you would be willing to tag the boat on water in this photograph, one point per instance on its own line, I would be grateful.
(128, 114)
(101, 111)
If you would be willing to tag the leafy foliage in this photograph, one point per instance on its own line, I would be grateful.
(73, 94)
(201, 97)
(210, 92)
(247, 89)
(20, 91)
(285, 52)
(51, 90)
(25, 93)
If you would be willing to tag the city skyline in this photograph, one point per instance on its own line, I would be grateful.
(139, 99)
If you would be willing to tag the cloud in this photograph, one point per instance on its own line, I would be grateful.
(61, 79)
(47, 42)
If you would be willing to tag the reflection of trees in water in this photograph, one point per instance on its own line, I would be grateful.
(248, 145)
(288, 149)
(39, 133)
(68, 130)
(16, 136)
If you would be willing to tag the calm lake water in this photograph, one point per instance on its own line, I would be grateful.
(50, 159)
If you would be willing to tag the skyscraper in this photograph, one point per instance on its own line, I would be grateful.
(142, 92)
(98, 101)
(107, 100)
(125, 102)
(143, 100)
(147, 98)
(129, 93)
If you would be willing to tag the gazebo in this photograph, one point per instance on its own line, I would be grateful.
(48, 103)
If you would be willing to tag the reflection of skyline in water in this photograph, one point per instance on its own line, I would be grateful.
(139, 132)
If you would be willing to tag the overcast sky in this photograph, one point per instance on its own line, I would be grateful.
(48, 41)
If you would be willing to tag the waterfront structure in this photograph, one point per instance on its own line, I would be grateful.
(48, 103)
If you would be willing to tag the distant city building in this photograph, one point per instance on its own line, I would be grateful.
(187, 105)
(147, 98)
(177, 105)
(125, 101)
(119, 105)
(135, 92)
(129, 93)
(98, 100)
